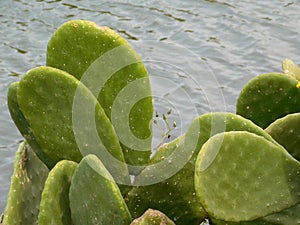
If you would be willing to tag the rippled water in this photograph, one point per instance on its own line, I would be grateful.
(199, 53)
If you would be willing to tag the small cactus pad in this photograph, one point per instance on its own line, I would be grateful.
(153, 217)
(291, 69)
(26, 188)
(106, 64)
(94, 196)
(22, 124)
(55, 204)
(268, 97)
(46, 97)
(241, 176)
(176, 192)
(286, 131)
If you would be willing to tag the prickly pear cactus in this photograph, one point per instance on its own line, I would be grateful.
(286, 132)
(115, 74)
(153, 217)
(92, 104)
(53, 125)
(177, 192)
(291, 69)
(94, 196)
(241, 176)
(55, 204)
(23, 125)
(268, 97)
(27, 184)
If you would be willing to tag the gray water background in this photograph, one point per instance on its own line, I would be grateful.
(229, 42)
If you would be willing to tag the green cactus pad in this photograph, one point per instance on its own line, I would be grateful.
(46, 97)
(26, 188)
(22, 124)
(207, 125)
(241, 176)
(291, 69)
(289, 216)
(153, 217)
(94, 196)
(174, 196)
(106, 64)
(213, 221)
(286, 131)
(177, 192)
(268, 97)
(55, 204)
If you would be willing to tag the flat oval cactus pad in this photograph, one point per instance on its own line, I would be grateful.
(110, 68)
(55, 204)
(241, 176)
(286, 131)
(27, 183)
(268, 97)
(94, 196)
(23, 126)
(46, 96)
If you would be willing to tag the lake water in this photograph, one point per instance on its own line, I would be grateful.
(199, 54)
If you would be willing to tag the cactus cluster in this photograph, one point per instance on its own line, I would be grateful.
(86, 121)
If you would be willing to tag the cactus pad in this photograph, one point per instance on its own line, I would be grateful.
(106, 64)
(23, 125)
(207, 125)
(241, 176)
(54, 207)
(26, 188)
(174, 196)
(94, 196)
(289, 216)
(268, 97)
(52, 123)
(153, 217)
(286, 131)
(177, 192)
